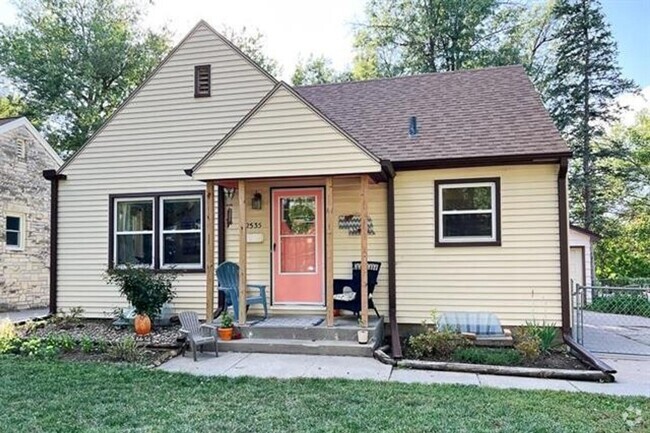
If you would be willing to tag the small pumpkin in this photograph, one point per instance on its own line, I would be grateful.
(142, 324)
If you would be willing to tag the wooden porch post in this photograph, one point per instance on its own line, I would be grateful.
(209, 250)
(329, 250)
(364, 250)
(241, 193)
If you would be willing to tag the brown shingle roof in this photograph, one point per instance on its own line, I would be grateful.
(463, 114)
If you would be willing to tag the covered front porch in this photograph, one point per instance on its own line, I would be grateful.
(296, 239)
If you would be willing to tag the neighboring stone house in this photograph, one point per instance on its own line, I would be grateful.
(24, 215)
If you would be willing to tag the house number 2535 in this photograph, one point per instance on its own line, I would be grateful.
(254, 225)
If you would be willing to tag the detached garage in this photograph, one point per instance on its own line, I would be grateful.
(581, 256)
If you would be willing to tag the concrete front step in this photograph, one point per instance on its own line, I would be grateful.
(295, 347)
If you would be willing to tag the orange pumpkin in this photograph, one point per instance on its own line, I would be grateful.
(142, 324)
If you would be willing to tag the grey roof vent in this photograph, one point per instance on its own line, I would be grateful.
(413, 126)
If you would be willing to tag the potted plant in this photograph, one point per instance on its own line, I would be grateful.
(145, 290)
(362, 333)
(225, 327)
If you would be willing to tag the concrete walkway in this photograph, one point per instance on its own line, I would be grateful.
(616, 333)
(22, 315)
(633, 378)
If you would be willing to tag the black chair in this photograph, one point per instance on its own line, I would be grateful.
(354, 304)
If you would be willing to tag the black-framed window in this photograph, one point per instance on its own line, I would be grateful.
(157, 230)
(468, 212)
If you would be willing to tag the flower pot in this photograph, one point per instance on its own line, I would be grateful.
(225, 333)
(142, 324)
(362, 336)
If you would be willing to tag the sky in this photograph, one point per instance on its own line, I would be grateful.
(294, 29)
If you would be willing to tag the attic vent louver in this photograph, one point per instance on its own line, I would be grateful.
(413, 126)
(202, 80)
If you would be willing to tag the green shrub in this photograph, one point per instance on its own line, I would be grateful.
(546, 333)
(487, 355)
(71, 319)
(622, 303)
(526, 343)
(144, 288)
(64, 342)
(38, 348)
(9, 341)
(87, 345)
(126, 350)
(432, 343)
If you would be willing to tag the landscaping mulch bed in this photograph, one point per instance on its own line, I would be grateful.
(102, 330)
(558, 358)
(151, 357)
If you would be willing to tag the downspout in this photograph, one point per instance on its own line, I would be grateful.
(392, 289)
(54, 178)
(565, 284)
(221, 225)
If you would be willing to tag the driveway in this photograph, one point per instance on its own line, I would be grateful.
(22, 315)
(616, 333)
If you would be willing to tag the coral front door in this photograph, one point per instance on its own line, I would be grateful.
(298, 246)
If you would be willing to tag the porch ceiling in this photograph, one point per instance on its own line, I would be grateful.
(284, 136)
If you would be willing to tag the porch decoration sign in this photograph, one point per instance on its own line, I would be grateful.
(352, 223)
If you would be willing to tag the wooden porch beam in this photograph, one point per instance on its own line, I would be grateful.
(241, 193)
(209, 250)
(364, 250)
(329, 250)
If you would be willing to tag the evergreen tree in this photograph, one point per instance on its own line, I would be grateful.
(581, 96)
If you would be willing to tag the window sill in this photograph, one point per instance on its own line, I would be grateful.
(14, 249)
(469, 244)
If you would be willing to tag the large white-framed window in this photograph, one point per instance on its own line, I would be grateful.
(181, 234)
(14, 232)
(133, 241)
(468, 212)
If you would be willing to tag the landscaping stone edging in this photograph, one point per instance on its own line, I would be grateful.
(542, 373)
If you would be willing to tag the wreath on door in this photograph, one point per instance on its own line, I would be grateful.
(300, 217)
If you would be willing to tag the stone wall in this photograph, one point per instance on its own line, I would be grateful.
(24, 273)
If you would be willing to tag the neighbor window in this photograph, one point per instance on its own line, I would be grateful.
(161, 230)
(14, 232)
(467, 212)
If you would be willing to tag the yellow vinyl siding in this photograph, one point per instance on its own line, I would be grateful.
(518, 281)
(285, 138)
(347, 248)
(161, 131)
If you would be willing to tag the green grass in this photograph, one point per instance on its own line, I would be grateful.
(41, 396)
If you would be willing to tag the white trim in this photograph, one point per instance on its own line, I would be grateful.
(151, 232)
(22, 121)
(21, 233)
(492, 211)
(163, 232)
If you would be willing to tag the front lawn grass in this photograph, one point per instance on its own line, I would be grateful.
(55, 396)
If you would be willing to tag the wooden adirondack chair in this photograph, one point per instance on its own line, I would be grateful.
(197, 334)
(228, 282)
(352, 301)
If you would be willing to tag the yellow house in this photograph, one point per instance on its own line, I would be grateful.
(452, 186)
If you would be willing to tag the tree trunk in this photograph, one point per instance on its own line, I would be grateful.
(586, 139)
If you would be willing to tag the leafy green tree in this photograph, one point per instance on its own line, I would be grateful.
(252, 43)
(414, 36)
(11, 106)
(317, 70)
(75, 61)
(586, 80)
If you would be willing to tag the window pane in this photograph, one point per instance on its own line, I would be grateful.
(134, 216)
(134, 249)
(298, 254)
(12, 239)
(13, 223)
(467, 198)
(467, 225)
(182, 248)
(182, 214)
(298, 215)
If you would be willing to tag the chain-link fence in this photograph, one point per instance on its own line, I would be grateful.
(612, 319)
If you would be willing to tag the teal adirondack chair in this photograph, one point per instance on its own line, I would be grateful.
(228, 281)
